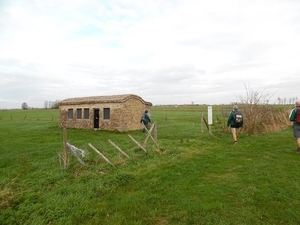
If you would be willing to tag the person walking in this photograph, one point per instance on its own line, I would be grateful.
(145, 119)
(295, 118)
(235, 121)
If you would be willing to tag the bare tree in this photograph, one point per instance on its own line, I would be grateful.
(259, 115)
(56, 104)
(52, 104)
(46, 105)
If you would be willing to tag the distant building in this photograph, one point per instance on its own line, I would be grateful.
(115, 112)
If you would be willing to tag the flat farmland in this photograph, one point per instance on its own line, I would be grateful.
(191, 177)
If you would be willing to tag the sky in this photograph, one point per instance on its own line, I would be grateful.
(167, 52)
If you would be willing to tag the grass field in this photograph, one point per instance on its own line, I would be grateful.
(194, 177)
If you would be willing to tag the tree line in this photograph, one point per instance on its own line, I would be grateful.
(285, 101)
(47, 105)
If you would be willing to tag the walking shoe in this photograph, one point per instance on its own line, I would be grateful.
(298, 151)
(237, 142)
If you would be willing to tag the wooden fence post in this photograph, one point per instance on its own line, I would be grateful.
(65, 157)
(205, 122)
(201, 125)
(117, 147)
(99, 153)
(149, 135)
(138, 144)
(155, 132)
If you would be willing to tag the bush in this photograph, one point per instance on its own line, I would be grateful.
(259, 115)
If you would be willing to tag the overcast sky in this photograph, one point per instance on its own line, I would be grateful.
(166, 51)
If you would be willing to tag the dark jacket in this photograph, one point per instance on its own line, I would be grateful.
(145, 119)
(230, 121)
(293, 115)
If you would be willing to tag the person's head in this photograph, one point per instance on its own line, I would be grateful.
(235, 107)
(298, 102)
(146, 111)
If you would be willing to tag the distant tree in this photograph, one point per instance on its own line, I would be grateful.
(51, 104)
(56, 104)
(46, 105)
(24, 105)
(279, 100)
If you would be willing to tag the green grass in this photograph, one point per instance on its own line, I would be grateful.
(196, 178)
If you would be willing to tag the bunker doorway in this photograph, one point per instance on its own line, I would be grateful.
(96, 118)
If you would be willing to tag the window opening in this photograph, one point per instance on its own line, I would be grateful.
(79, 113)
(86, 113)
(106, 113)
(70, 113)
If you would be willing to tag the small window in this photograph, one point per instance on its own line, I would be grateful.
(86, 113)
(106, 113)
(79, 113)
(70, 113)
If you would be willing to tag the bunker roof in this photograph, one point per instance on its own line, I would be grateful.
(102, 99)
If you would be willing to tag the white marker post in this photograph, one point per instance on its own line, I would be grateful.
(209, 110)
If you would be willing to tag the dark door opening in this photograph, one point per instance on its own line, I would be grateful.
(96, 118)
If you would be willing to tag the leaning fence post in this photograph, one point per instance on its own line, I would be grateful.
(138, 144)
(118, 148)
(65, 158)
(155, 132)
(149, 135)
(202, 127)
(99, 153)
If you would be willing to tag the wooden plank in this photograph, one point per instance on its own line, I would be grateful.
(149, 135)
(99, 153)
(65, 155)
(155, 132)
(205, 122)
(202, 127)
(117, 147)
(138, 144)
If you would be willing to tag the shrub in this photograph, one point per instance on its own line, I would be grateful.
(259, 115)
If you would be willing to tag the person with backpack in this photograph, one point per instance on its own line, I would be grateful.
(145, 119)
(295, 118)
(235, 121)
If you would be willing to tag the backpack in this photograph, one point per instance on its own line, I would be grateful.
(143, 118)
(298, 115)
(237, 117)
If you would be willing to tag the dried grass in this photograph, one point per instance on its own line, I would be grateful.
(259, 115)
